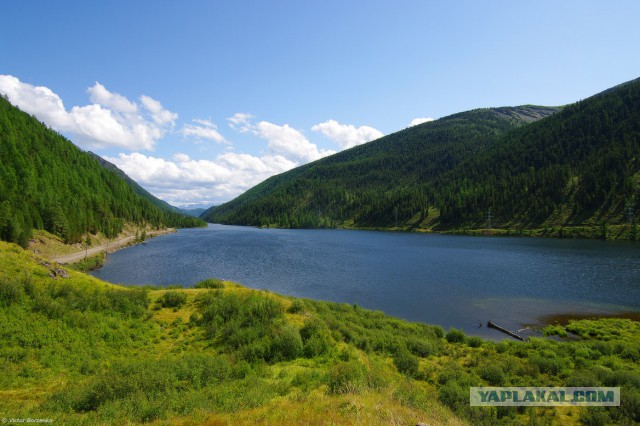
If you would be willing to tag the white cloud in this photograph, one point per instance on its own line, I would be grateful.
(100, 95)
(110, 121)
(241, 122)
(289, 142)
(206, 130)
(37, 100)
(347, 135)
(181, 158)
(420, 120)
(188, 181)
(160, 115)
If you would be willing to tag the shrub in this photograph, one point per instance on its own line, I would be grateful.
(421, 347)
(287, 344)
(210, 283)
(316, 345)
(474, 341)
(594, 416)
(438, 331)
(453, 395)
(406, 362)
(493, 374)
(296, 306)
(347, 377)
(580, 378)
(172, 299)
(10, 292)
(554, 330)
(311, 327)
(455, 336)
(547, 365)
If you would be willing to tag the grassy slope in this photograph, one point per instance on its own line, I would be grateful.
(79, 350)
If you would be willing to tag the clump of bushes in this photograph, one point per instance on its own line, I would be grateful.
(406, 362)
(455, 336)
(347, 377)
(10, 292)
(493, 374)
(296, 306)
(251, 325)
(172, 299)
(210, 283)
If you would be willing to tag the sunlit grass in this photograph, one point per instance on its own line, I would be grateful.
(79, 350)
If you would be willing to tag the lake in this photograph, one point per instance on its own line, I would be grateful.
(453, 281)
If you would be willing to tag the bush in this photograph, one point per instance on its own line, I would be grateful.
(455, 336)
(493, 374)
(316, 345)
(547, 365)
(210, 283)
(172, 299)
(315, 337)
(422, 348)
(296, 306)
(10, 292)
(287, 344)
(474, 341)
(406, 363)
(594, 416)
(453, 395)
(347, 377)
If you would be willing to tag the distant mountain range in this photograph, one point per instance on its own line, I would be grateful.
(511, 167)
(46, 182)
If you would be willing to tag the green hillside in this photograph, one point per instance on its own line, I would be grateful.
(366, 183)
(134, 185)
(532, 167)
(578, 167)
(77, 350)
(48, 183)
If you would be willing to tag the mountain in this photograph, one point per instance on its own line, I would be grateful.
(578, 167)
(369, 185)
(134, 185)
(526, 167)
(196, 212)
(46, 182)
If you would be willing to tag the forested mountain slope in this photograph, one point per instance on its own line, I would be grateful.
(578, 167)
(48, 183)
(372, 184)
(134, 185)
(527, 166)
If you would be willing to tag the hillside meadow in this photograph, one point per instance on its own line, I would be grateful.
(78, 350)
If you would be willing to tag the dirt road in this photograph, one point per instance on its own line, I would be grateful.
(111, 246)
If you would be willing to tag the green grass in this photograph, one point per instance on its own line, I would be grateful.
(81, 351)
(90, 263)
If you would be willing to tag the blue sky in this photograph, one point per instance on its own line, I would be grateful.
(200, 100)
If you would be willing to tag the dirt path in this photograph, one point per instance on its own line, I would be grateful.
(111, 246)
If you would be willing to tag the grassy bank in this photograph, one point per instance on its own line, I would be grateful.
(89, 263)
(593, 232)
(81, 351)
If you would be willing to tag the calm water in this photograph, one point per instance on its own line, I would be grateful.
(440, 279)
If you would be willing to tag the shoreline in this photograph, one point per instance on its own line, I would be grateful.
(619, 232)
(108, 247)
(565, 318)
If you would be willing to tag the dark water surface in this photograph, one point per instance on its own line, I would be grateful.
(439, 279)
